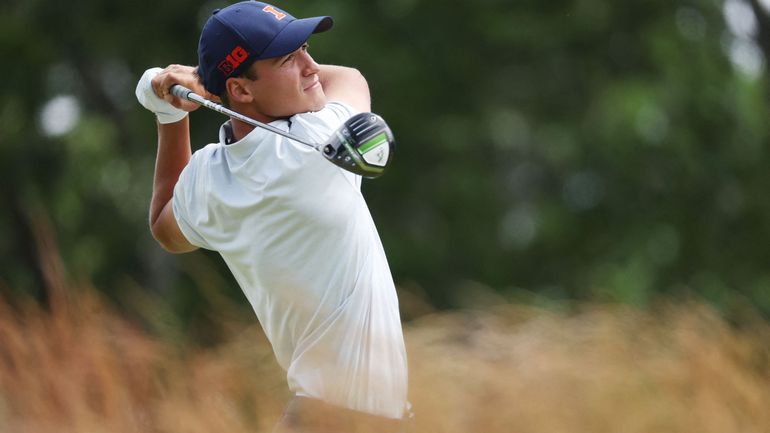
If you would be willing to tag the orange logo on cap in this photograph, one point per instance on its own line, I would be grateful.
(233, 60)
(271, 10)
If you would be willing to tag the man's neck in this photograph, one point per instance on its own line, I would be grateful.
(240, 129)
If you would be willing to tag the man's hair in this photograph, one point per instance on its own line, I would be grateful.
(250, 74)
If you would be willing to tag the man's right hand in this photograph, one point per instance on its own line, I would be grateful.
(153, 92)
(155, 101)
(188, 77)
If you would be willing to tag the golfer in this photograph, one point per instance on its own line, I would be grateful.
(293, 228)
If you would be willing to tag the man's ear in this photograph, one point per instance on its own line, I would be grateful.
(237, 92)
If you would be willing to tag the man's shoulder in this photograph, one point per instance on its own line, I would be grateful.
(205, 152)
(333, 111)
(324, 121)
(199, 160)
(341, 109)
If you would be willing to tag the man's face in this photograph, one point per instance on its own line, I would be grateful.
(287, 85)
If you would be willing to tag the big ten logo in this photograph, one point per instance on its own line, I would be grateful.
(271, 10)
(233, 60)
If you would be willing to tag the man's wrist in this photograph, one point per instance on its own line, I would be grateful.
(145, 94)
(173, 117)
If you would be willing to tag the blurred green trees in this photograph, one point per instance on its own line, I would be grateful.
(556, 150)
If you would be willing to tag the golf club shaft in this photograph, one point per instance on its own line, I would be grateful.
(185, 93)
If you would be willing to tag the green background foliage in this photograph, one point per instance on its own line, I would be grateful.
(548, 151)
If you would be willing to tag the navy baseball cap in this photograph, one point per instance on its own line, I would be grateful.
(235, 36)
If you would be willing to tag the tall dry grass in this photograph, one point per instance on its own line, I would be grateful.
(606, 368)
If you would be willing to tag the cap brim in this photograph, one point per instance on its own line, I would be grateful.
(294, 35)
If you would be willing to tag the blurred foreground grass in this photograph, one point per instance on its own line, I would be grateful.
(81, 367)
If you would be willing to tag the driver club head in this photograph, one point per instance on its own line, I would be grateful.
(364, 145)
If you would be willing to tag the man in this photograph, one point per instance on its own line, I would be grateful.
(293, 228)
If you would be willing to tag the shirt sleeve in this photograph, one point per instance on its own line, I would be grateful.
(341, 111)
(188, 201)
(332, 116)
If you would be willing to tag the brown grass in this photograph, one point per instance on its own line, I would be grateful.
(510, 368)
(605, 369)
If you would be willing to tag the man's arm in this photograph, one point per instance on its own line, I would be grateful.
(174, 153)
(346, 85)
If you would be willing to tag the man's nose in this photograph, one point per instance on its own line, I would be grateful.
(311, 67)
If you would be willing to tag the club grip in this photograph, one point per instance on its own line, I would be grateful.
(180, 91)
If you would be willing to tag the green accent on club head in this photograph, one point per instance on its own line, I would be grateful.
(349, 148)
(365, 169)
(372, 143)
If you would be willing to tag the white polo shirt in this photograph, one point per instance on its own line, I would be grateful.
(297, 235)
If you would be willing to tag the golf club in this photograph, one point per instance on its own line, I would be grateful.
(363, 145)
